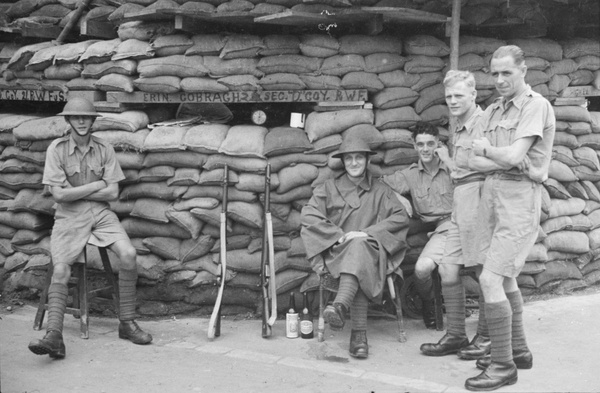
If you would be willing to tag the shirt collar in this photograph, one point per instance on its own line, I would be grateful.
(469, 123)
(441, 166)
(518, 100)
(71, 145)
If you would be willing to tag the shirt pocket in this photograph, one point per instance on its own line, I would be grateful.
(424, 203)
(72, 169)
(505, 131)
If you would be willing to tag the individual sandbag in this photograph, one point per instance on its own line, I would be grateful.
(25, 220)
(566, 207)
(214, 177)
(430, 96)
(166, 138)
(245, 141)
(582, 78)
(403, 117)
(326, 144)
(23, 55)
(131, 121)
(576, 190)
(207, 44)
(418, 64)
(561, 172)
(591, 190)
(567, 241)
(318, 45)
(241, 163)
(254, 182)
(563, 66)
(581, 222)
(281, 161)
(539, 47)
(33, 157)
(398, 78)
(175, 65)
(42, 58)
(395, 137)
(536, 63)
(14, 165)
(566, 139)
(26, 236)
(144, 30)
(325, 82)
(241, 82)
(285, 140)
(280, 243)
(125, 140)
(400, 156)
(281, 81)
(41, 129)
(572, 113)
(156, 173)
(115, 82)
(158, 84)
(576, 47)
(340, 65)
(33, 201)
(589, 140)
(136, 227)
(173, 44)
(594, 217)
(10, 121)
(361, 80)
(555, 224)
(100, 51)
(164, 247)
(206, 138)
(469, 62)
(98, 70)
(196, 85)
(158, 190)
(133, 49)
(295, 176)
(555, 271)
(184, 177)
(130, 159)
(241, 46)
(574, 128)
(558, 83)
(535, 77)
(64, 71)
(186, 221)
(249, 214)
(588, 62)
(293, 64)
(365, 45)
(587, 156)
(322, 124)
(284, 44)
(193, 249)
(301, 192)
(479, 45)
(383, 62)
(585, 173)
(426, 45)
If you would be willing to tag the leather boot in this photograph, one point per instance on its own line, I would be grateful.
(449, 344)
(335, 315)
(495, 376)
(52, 344)
(428, 311)
(359, 347)
(523, 360)
(129, 330)
(477, 348)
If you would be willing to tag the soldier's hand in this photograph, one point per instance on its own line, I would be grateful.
(442, 152)
(524, 165)
(351, 235)
(479, 145)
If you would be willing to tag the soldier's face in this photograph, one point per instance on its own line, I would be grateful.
(460, 98)
(355, 164)
(425, 144)
(509, 77)
(81, 124)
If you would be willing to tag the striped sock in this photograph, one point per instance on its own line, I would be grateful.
(482, 328)
(499, 320)
(454, 299)
(358, 311)
(347, 290)
(518, 332)
(57, 304)
(127, 289)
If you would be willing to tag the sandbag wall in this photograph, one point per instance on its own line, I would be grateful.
(170, 202)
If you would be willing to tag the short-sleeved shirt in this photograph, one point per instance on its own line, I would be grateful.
(526, 115)
(431, 192)
(464, 135)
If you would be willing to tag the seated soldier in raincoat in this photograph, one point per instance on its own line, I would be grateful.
(351, 227)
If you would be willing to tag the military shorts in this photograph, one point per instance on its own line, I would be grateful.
(436, 245)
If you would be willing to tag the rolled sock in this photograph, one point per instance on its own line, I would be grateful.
(499, 320)
(482, 328)
(347, 289)
(454, 300)
(127, 290)
(358, 311)
(518, 331)
(57, 304)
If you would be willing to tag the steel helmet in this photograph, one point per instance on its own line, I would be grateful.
(353, 145)
(79, 106)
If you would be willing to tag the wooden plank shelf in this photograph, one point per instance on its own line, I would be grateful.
(239, 96)
(20, 94)
(406, 15)
(580, 91)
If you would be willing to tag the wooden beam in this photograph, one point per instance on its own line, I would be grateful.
(239, 96)
(455, 34)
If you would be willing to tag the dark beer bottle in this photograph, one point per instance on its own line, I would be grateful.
(306, 320)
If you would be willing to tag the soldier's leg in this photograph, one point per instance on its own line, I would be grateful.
(359, 347)
(424, 285)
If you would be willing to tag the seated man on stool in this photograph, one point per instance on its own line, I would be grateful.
(350, 228)
(429, 184)
(82, 173)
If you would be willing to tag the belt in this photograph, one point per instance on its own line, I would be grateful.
(512, 177)
(469, 179)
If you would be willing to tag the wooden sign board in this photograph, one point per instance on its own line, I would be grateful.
(240, 96)
(32, 95)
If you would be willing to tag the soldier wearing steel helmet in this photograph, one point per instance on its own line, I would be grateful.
(351, 227)
(82, 174)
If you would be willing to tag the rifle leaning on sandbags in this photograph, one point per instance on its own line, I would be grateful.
(267, 269)
(214, 325)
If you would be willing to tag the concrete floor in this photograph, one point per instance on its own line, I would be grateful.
(563, 334)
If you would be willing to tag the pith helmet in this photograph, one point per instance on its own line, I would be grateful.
(79, 106)
(353, 145)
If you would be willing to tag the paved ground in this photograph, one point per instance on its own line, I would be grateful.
(563, 334)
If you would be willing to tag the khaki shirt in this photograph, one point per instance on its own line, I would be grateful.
(66, 164)
(431, 192)
(528, 114)
(464, 135)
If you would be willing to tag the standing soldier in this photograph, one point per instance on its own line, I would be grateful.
(351, 227)
(82, 173)
(519, 127)
(430, 186)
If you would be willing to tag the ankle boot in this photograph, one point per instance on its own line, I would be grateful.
(479, 347)
(495, 376)
(359, 347)
(449, 344)
(130, 330)
(52, 344)
(523, 360)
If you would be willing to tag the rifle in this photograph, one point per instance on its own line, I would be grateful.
(214, 325)
(267, 276)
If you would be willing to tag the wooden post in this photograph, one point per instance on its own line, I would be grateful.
(73, 21)
(454, 34)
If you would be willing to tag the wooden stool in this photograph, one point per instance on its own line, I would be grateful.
(81, 294)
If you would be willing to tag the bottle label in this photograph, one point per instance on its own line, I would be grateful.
(306, 327)
(291, 325)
